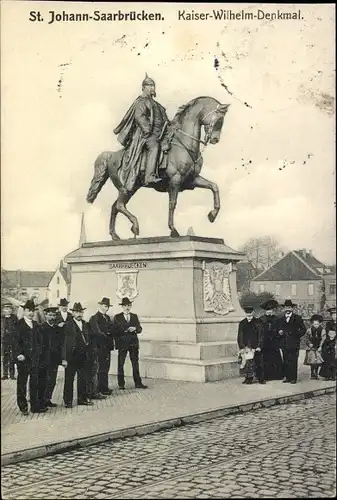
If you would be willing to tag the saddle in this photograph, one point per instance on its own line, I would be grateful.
(129, 175)
(163, 157)
(161, 164)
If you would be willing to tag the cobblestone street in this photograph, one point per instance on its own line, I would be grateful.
(281, 452)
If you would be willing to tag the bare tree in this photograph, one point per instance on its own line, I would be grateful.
(4, 285)
(262, 252)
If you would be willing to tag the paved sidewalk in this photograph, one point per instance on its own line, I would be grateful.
(164, 404)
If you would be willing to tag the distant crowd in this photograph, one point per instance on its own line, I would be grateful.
(42, 340)
(269, 346)
(39, 340)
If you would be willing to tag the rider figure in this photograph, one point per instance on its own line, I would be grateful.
(145, 125)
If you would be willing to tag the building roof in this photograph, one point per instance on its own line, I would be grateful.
(294, 266)
(308, 257)
(23, 279)
(66, 274)
(331, 270)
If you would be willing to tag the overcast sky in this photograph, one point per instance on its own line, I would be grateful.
(51, 135)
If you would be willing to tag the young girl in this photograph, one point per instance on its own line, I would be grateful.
(247, 365)
(328, 368)
(314, 338)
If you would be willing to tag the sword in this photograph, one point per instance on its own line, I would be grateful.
(162, 132)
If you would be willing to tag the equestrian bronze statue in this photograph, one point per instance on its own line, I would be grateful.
(159, 154)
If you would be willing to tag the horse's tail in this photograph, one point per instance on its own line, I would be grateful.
(100, 177)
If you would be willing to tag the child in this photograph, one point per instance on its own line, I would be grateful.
(247, 365)
(328, 368)
(314, 338)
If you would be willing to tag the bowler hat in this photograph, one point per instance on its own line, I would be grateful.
(29, 305)
(105, 302)
(288, 303)
(125, 302)
(316, 317)
(248, 309)
(270, 304)
(50, 309)
(63, 302)
(78, 307)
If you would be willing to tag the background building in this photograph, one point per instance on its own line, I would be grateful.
(59, 284)
(301, 277)
(22, 285)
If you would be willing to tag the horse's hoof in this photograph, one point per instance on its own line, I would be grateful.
(135, 231)
(174, 233)
(114, 236)
(212, 216)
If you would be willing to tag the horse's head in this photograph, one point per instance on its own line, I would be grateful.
(213, 121)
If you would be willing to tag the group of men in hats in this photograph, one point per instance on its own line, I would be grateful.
(65, 338)
(266, 337)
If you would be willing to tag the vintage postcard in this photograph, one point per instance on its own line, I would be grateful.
(168, 223)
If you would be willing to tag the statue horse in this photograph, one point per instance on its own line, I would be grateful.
(182, 166)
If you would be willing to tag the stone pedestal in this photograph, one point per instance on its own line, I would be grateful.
(184, 292)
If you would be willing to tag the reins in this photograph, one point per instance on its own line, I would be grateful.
(204, 143)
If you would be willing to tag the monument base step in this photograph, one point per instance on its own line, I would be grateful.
(190, 370)
(189, 350)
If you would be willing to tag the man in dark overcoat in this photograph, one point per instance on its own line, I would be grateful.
(250, 335)
(75, 357)
(28, 350)
(291, 328)
(9, 323)
(127, 328)
(272, 359)
(102, 328)
(52, 337)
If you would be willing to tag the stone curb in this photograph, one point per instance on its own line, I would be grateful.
(61, 447)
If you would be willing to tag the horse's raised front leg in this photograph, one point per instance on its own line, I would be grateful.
(121, 207)
(173, 195)
(201, 182)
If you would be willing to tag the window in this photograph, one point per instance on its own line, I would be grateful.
(261, 288)
(310, 289)
(58, 280)
(332, 289)
(293, 289)
(58, 294)
(278, 289)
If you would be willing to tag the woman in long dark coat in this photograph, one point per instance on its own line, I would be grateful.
(328, 368)
(272, 359)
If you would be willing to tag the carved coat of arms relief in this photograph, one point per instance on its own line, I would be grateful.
(216, 288)
(127, 284)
